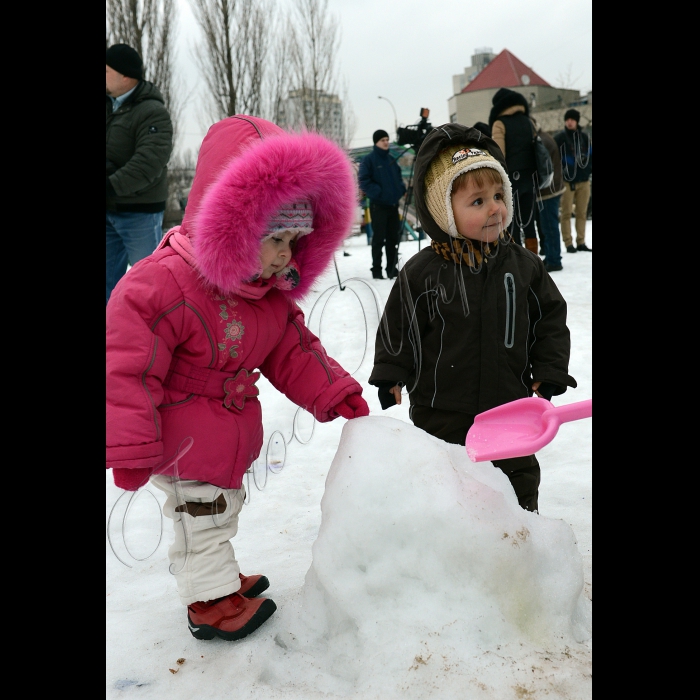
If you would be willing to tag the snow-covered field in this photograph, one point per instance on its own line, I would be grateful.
(400, 569)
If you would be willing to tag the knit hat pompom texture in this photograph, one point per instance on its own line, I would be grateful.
(379, 134)
(125, 60)
(449, 164)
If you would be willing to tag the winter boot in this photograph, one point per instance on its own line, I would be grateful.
(252, 586)
(229, 618)
(531, 245)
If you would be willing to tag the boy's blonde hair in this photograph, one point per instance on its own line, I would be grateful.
(452, 167)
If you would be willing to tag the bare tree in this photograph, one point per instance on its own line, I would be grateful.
(567, 80)
(232, 56)
(148, 26)
(314, 40)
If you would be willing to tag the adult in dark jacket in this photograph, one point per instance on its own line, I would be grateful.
(576, 154)
(380, 179)
(549, 199)
(139, 144)
(512, 130)
(470, 324)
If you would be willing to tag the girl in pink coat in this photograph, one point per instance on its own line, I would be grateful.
(191, 327)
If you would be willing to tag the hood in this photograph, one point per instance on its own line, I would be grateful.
(247, 169)
(147, 91)
(504, 99)
(437, 139)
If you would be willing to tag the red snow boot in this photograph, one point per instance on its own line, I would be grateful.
(252, 586)
(229, 618)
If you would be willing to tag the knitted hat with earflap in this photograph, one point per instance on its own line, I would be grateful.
(447, 165)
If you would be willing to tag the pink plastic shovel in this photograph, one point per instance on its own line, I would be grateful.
(520, 428)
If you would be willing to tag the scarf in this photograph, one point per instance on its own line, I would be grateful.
(462, 250)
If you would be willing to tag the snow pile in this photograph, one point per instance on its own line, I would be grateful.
(427, 572)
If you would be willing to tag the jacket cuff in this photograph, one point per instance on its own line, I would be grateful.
(135, 456)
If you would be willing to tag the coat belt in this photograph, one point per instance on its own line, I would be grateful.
(232, 389)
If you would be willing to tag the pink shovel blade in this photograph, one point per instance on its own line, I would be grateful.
(520, 428)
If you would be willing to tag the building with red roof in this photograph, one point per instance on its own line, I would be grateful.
(474, 89)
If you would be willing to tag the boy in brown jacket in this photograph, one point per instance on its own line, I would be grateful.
(474, 321)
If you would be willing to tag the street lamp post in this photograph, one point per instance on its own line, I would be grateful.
(396, 123)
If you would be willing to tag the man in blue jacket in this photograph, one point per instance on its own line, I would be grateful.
(380, 179)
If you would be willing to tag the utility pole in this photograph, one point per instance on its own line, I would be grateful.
(396, 123)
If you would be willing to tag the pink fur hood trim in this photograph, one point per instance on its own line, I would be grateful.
(272, 169)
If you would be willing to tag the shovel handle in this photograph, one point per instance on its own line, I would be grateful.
(570, 411)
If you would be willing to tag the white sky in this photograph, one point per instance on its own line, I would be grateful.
(408, 51)
(425, 612)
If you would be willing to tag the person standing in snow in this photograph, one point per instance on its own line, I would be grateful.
(473, 321)
(193, 325)
(576, 156)
(547, 209)
(139, 143)
(512, 130)
(380, 179)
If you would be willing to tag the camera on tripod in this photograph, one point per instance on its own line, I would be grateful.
(413, 134)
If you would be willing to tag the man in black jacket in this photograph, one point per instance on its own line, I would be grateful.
(380, 179)
(139, 144)
(577, 167)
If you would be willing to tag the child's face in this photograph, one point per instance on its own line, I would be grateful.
(276, 252)
(480, 211)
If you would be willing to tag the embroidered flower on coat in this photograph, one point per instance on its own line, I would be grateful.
(239, 388)
(234, 331)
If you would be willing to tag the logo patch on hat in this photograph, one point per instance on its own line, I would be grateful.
(152, 129)
(467, 153)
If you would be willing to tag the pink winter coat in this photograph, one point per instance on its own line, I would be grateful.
(186, 334)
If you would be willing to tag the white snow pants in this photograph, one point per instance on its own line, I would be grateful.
(202, 557)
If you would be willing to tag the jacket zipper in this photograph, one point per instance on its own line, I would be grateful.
(510, 309)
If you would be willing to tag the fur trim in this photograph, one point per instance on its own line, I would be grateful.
(233, 216)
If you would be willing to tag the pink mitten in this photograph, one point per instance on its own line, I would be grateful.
(352, 406)
(131, 479)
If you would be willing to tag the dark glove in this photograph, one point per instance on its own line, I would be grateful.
(352, 406)
(131, 479)
(111, 168)
(547, 390)
(111, 192)
(386, 398)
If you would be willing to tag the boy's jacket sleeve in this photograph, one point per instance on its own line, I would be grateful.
(138, 360)
(551, 348)
(300, 368)
(396, 352)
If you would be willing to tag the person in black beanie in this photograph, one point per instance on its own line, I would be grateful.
(577, 167)
(513, 131)
(139, 144)
(380, 180)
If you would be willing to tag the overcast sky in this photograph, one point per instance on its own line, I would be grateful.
(408, 50)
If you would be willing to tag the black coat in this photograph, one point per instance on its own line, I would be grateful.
(380, 177)
(465, 339)
(576, 154)
(139, 144)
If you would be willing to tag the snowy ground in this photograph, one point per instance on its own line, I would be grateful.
(425, 643)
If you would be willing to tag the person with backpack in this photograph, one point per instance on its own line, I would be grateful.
(512, 130)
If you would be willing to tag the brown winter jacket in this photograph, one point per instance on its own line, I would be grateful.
(469, 339)
(139, 143)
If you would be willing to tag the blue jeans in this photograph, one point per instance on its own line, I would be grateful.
(551, 237)
(131, 236)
